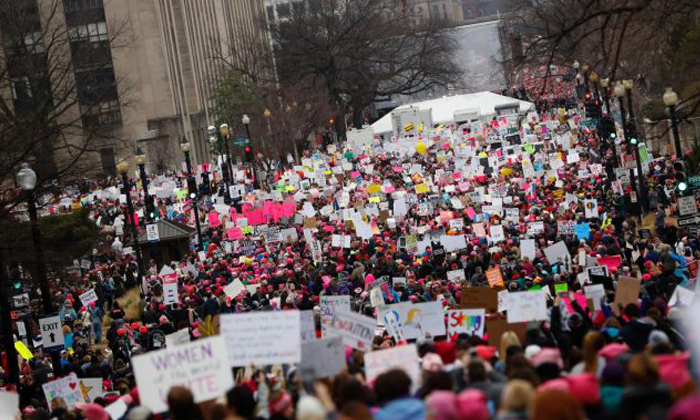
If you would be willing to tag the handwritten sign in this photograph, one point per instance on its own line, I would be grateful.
(468, 321)
(322, 358)
(527, 306)
(88, 297)
(66, 388)
(494, 277)
(402, 357)
(262, 338)
(357, 331)
(329, 305)
(201, 366)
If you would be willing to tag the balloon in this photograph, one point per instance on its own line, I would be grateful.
(420, 148)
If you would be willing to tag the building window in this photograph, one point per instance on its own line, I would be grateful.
(271, 13)
(93, 32)
(299, 7)
(107, 112)
(34, 43)
(283, 11)
(21, 88)
(81, 5)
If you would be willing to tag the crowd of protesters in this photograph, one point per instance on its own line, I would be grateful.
(595, 361)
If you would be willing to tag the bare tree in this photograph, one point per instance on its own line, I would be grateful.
(363, 51)
(622, 38)
(58, 93)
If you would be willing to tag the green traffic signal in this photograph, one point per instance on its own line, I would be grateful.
(17, 285)
(682, 186)
(634, 141)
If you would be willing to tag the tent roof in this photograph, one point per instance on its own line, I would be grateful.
(444, 108)
(169, 230)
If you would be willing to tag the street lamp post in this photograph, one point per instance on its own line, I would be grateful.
(604, 83)
(7, 338)
(140, 159)
(629, 84)
(185, 146)
(26, 178)
(123, 169)
(594, 78)
(671, 100)
(225, 133)
(267, 114)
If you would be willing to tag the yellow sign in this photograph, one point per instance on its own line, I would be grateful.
(374, 199)
(373, 188)
(421, 188)
(23, 351)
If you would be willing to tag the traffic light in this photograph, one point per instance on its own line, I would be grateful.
(192, 187)
(151, 210)
(17, 285)
(606, 129)
(248, 151)
(205, 188)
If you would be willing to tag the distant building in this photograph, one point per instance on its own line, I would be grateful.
(448, 11)
(480, 8)
(154, 84)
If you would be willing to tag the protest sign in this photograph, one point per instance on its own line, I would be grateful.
(201, 366)
(9, 405)
(469, 321)
(177, 338)
(322, 358)
(494, 277)
(591, 209)
(479, 297)
(595, 293)
(402, 357)
(627, 292)
(419, 320)
(329, 305)
(456, 276)
(307, 328)
(357, 331)
(527, 249)
(91, 388)
(88, 297)
(234, 288)
(66, 388)
(681, 297)
(168, 275)
(527, 306)
(262, 338)
(558, 253)
(612, 262)
(496, 327)
(170, 295)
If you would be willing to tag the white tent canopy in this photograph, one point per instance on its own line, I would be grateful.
(443, 109)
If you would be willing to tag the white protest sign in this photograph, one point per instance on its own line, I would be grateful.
(497, 234)
(177, 338)
(152, 232)
(308, 326)
(322, 358)
(168, 274)
(234, 289)
(201, 366)
(527, 249)
(595, 293)
(329, 305)
(456, 276)
(87, 297)
(170, 295)
(417, 320)
(357, 331)
(469, 321)
(262, 338)
(558, 253)
(681, 296)
(117, 409)
(9, 405)
(401, 357)
(591, 208)
(527, 306)
(91, 388)
(66, 388)
(51, 332)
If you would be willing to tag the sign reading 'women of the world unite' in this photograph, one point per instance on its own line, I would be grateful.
(201, 366)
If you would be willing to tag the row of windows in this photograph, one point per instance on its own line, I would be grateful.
(284, 10)
(81, 5)
(93, 32)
